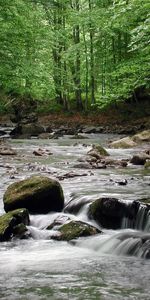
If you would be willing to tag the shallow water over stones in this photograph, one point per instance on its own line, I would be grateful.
(105, 266)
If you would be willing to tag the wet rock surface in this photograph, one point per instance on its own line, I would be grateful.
(6, 150)
(109, 212)
(102, 170)
(75, 229)
(13, 224)
(39, 194)
(130, 142)
(24, 131)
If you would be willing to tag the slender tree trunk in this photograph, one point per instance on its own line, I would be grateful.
(87, 71)
(77, 73)
(92, 56)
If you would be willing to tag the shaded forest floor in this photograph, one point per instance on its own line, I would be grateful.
(124, 117)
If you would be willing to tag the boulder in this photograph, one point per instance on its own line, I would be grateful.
(138, 159)
(39, 194)
(44, 136)
(10, 221)
(124, 143)
(89, 129)
(129, 142)
(74, 230)
(141, 137)
(27, 130)
(97, 151)
(109, 212)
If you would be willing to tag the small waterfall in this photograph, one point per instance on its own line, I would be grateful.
(141, 222)
(38, 234)
(125, 242)
(143, 218)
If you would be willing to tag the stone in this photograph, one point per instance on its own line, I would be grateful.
(138, 160)
(41, 152)
(141, 137)
(27, 130)
(39, 194)
(124, 143)
(10, 220)
(74, 230)
(97, 150)
(129, 142)
(7, 151)
(109, 212)
(89, 129)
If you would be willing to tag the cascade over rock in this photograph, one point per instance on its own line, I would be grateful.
(109, 212)
(39, 194)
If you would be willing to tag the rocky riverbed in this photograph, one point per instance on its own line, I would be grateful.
(84, 250)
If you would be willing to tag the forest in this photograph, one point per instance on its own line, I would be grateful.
(73, 54)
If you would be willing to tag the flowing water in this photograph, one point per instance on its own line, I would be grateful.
(107, 266)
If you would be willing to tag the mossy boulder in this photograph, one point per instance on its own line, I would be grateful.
(39, 194)
(98, 151)
(10, 221)
(109, 212)
(74, 230)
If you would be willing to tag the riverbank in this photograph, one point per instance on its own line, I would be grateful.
(124, 118)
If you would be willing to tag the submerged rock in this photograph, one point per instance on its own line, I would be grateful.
(14, 224)
(39, 194)
(74, 230)
(109, 212)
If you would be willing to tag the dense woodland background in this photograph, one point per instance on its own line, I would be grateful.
(78, 54)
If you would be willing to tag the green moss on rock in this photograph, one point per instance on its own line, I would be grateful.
(98, 150)
(39, 194)
(76, 229)
(10, 220)
(109, 212)
(147, 164)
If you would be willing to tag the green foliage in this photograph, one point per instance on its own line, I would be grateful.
(73, 53)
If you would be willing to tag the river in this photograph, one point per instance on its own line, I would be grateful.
(94, 268)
